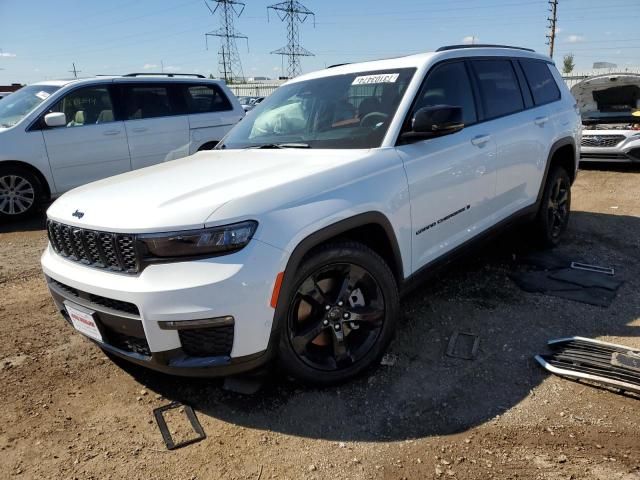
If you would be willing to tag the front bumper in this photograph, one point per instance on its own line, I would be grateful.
(133, 312)
(628, 154)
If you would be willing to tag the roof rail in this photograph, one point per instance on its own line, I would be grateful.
(338, 65)
(152, 74)
(482, 45)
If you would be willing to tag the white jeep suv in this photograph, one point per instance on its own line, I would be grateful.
(57, 135)
(294, 237)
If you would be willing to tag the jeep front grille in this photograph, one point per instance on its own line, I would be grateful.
(601, 140)
(111, 251)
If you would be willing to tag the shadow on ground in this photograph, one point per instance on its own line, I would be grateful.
(35, 222)
(425, 392)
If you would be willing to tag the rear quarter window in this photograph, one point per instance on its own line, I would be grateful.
(541, 82)
(206, 98)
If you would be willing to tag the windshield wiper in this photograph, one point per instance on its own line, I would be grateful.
(282, 145)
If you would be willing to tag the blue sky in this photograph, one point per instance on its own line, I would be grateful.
(40, 39)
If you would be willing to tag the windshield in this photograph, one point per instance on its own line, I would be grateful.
(341, 111)
(14, 107)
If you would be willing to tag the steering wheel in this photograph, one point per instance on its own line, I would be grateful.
(373, 118)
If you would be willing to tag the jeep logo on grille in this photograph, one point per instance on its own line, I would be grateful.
(78, 214)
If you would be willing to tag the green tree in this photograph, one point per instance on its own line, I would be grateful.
(568, 64)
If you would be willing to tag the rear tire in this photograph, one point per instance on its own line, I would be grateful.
(208, 146)
(341, 314)
(21, 193)
(555, 208)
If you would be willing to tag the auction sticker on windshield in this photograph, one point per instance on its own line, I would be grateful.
(83, 321)
(380, 78)
(42, 95)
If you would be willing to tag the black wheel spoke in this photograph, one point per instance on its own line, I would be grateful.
(340, 350)
(353, 275)
(302, 339)
(367, 315)
(564, 196)
(312, 293)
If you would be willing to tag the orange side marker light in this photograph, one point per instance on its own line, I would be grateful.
(276, 290)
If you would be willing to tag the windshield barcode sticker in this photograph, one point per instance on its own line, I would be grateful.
(382, 78)
(42, 95)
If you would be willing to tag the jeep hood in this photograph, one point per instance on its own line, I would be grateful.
(609, 98)
(182, 194)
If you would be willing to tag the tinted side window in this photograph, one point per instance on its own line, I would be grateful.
(449, 84)
(86, 106)
(541, 82)
(146, 101)
(499, 87)
(206, 98)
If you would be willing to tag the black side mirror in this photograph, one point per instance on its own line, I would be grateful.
(428, 122)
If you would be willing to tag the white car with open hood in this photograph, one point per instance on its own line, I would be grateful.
(610, 109)
(295, 237)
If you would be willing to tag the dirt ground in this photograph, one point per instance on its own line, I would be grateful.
(67, 411)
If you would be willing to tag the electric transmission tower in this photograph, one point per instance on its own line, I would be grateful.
(229, 63)
(74, 71)
(293, 13)
(551, 37)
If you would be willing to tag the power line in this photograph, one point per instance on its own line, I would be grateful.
(293, 13)
(552, 25)
(228, 57)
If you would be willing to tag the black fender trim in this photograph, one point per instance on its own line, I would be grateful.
(306, 245)
(339, 228)
(563, 142)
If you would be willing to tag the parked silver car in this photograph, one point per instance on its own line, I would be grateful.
(610, 109)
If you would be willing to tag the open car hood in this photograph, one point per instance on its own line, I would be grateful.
(609, 98)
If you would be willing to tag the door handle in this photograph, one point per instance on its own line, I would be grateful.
(139, 129)
(111, 132)
(541, 121)
(480, 140)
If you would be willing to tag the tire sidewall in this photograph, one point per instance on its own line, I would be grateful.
(356, 254)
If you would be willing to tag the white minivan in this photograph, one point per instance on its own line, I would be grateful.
(57, 135)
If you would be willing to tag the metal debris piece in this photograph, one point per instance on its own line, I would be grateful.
(166, 435)
(608, 364)
(463, 345)
(593, 268)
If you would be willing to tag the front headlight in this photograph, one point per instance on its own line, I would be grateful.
(198, 243)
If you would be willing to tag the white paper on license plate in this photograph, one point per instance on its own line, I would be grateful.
(83, 322)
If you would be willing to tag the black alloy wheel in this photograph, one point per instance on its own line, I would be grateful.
(558, 206)
(341, 314)
(555, 208)
(336, 316)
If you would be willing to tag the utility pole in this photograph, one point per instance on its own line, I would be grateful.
(74, 71)
(293, 13)
(229, 63)
(551, 37)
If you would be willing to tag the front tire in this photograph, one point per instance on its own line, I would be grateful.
(341, 314)
(20, 193)
(555, 208)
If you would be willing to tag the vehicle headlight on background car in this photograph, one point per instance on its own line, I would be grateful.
(198, 243)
